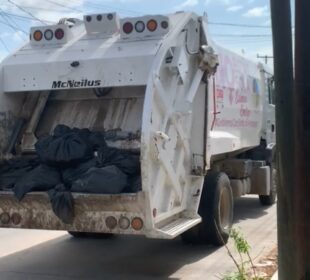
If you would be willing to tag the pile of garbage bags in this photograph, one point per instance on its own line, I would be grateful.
(72, 160)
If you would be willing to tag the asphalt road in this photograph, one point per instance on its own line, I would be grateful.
(46, 255)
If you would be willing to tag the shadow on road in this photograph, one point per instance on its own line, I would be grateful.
(123, 257)
(248, 207)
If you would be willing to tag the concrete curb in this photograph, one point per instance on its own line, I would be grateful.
(275, 276)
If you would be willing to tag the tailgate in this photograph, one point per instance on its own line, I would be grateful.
(91, 212)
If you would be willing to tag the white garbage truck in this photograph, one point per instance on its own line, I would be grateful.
(200, 118)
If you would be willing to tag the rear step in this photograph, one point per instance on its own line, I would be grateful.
(177, 227)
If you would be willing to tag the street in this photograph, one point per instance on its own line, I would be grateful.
(46, 255)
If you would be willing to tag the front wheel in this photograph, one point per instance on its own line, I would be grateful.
(216, 211)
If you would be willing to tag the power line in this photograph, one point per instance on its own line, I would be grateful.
(244, 35)
(16, 27)
(18, 16)
(25, 18)
(64, 6)
(4, 44)
(265, 57)
(44, 9)
(234, 42)
(240, 25)
(27, 12)
(92, 5)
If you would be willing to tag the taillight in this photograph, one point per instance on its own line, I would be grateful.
(37, 35)
(164, 24)
(111, 222)
(48, 34)
(124, 223)
(152, 25)
(137, 223)
(139, 26)
(127, 27)
(59, 34)
(5, 218)
(16, 218)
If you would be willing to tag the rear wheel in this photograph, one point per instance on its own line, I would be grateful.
(216, 210)
(78, 234)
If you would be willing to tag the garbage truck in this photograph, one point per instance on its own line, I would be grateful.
(200, 119)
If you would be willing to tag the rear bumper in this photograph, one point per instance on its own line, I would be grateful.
(91, 210)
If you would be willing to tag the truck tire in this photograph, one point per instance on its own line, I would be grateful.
(216, 211)
(268, 200)
(78, 234)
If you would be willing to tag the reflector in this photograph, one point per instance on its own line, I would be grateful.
(37, 35)
(5, 218)
(137, 223)
(48, 34)
(139, 26)
(164, 24)
(152, 25)
(59, 34)
(124, 223)
(127, 27)
(110, 16)
(111, 222)
(16, 218)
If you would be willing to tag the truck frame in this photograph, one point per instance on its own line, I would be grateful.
(202, 117)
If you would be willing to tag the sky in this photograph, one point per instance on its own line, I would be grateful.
(242, 26)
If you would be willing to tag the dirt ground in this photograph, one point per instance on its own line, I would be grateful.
(267, 265)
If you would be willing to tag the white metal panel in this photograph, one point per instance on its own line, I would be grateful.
(70, 33)
(105, 24)
(166, 151)
(239, 100)
(158, 32)
(110, 62)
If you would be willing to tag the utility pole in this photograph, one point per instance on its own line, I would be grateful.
(266, 57)
(283, 73)
(302, 111)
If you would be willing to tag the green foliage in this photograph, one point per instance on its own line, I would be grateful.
(243, 248)
(242, 276)
(241, 244)
(235, 276)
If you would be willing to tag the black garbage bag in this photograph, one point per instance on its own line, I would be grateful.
(67, 148)
(61, 130)
(42, 178)
(71, 174)
(14, 169)
(125, 161)
(62, 203)
(134, 184)
(106, 180)
(97, 140)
